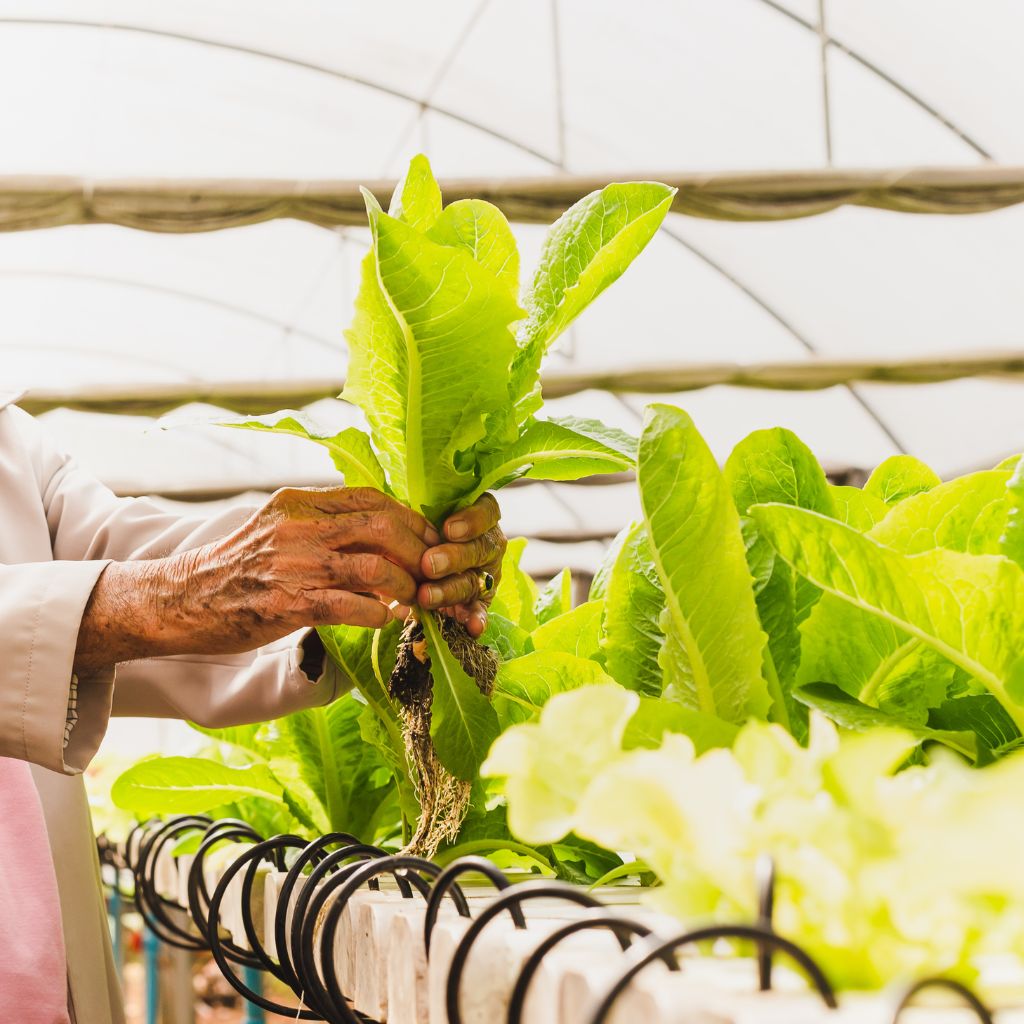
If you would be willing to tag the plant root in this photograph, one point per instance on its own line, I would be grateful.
(443, 798)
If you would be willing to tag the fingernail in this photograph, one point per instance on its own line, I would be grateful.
(439, 562)
(434, 595)
(457, 529)
(432, 536)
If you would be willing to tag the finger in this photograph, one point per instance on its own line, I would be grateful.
(446, 559)
(474, 617)
(457, 612)
(474, 521)
(333, 501)
(381, 532)
(341, 608)
(370, 573)
(452, 590)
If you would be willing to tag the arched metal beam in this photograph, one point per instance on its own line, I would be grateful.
(117, 357)
(179, 293)
(787, 325)
(454, 50)
(890, 80)
(306, 65)
(561, 164)
(469, 122)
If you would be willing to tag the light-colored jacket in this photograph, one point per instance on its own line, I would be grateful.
(59, 529)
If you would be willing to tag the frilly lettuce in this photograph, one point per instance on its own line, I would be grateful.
(882, 874)
(545, 775)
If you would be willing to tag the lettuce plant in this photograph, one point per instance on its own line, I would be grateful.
(897, 604)
(881, 873)
(445, 355)
(342, 767)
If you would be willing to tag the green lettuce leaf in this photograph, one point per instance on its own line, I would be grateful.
(869, 657)
(856, 508)
(1011, 541)
(423, 315)
(577, 632)
(302, 802)
(350, 450)
(848, 712)
(353, 649)
(599, 584)
(246, 737)
(965, 514)
(374, 732)
(516, 594)
(898, 477)
(760, 555)
(776, 466)
(555, 598)
(505, 637)
(970, 608)
(982, 715)
(563, 449)
(349, 777)
(463, 723)
(713, 640)
(416, 200)
(482, 230)
(191, 785)
(580, 861)
(632, 638)
(918, 683)
(587, 249)
(852, 648)
(656, 716)
(525, 685)
(544, 776)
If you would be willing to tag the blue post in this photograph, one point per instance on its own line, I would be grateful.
(253, 977)
(117, 936)
(151, 954)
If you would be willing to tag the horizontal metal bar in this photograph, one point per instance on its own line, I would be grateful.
(205, 204)
(262, 397)
(263, 488)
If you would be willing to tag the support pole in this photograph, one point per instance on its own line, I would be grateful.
(253, 978)
(151, 956)
(117, 928)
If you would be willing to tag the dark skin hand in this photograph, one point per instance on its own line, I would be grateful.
(307, 558)
(475, 544)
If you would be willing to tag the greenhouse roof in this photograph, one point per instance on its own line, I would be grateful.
(322, 91)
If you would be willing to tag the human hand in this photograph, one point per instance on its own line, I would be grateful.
(322, 557)
(475, 546)
(306, 558)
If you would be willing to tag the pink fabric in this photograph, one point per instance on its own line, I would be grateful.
(33, 967)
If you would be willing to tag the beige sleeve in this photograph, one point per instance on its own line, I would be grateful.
(230, 690)
(42, 604)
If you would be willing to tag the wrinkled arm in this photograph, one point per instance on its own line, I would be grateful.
(42, 606)
(213, 608)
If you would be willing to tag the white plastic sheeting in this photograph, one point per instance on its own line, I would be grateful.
(345, 89)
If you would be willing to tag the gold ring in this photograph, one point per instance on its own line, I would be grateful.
(484, 583)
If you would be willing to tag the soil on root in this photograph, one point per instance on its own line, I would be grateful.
(443, 798)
